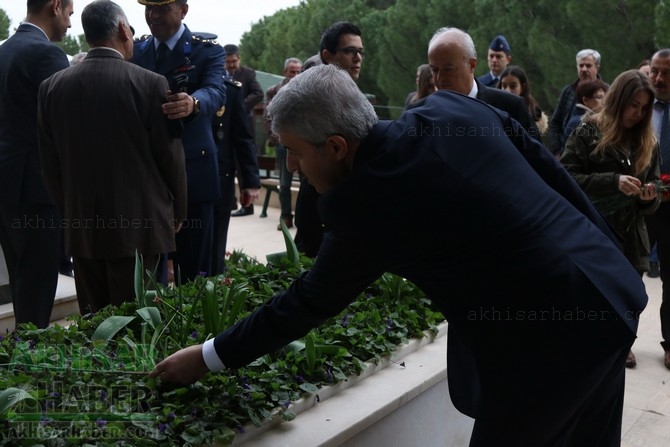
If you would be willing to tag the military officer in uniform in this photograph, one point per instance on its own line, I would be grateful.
(193, 66)
(235, 140)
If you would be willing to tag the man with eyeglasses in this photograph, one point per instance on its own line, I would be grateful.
(341, 45)
(194, 67)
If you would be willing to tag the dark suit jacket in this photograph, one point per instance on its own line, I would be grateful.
(108, 158)
(236, 144)
(235, 141)
(202, 61)
(488, 80)
(512, 104)
(251, 89)
(28, 57)
(511, 232)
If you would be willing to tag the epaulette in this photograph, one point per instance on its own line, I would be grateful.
(142, 38)
(206, 38)
(237, 84)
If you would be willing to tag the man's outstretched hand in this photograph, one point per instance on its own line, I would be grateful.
(183, 367)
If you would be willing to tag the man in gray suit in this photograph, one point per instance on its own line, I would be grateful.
(29, 232)
(109, 160)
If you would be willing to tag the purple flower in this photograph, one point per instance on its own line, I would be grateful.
(171, 416)
(202, 273)
(241, 429)
(345, 321)
(194, 334)
(299, 379)
(103, 395)
(389, 325)
(101, 423)
(162, 427)
(54, 394)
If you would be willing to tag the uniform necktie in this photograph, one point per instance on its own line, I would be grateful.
(162, 53)
(664, 139)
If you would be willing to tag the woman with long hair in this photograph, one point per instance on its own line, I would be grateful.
(514, 80)
(613, 155)
(425, 85)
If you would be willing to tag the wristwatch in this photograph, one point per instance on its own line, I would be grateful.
(196, 105)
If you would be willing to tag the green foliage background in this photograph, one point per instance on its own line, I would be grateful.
(544, 36)
(4, 25)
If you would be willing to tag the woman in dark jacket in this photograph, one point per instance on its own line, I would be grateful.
(613, 155)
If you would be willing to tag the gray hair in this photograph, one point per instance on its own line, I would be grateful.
(100, 21)
(78, 58)
(464, 39)
(663, 53)
(322, 102)
(581, 54)
(291, 60)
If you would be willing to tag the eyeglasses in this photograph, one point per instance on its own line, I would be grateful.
(351, 51)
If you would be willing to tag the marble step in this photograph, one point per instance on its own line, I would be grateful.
(65, 305)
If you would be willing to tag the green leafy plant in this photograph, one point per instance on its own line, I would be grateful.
(87, 383)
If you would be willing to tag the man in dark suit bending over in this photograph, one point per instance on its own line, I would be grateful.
(29, 226)
(532, 298)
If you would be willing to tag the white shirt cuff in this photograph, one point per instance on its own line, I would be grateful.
(210, 356)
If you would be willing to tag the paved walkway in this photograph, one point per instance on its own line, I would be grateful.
(646, 418)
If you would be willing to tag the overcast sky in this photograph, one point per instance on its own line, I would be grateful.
(227, 18)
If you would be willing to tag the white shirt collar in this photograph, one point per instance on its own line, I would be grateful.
(474, 91)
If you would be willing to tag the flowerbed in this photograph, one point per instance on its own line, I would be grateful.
(87, 383)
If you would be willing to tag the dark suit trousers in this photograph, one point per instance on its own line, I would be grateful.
(101, 282)
(581, 408)
(221, 223)
(30, 237)
(658, 226)
(194, 242)
(307, 220)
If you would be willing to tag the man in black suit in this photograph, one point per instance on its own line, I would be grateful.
(535, 300)
(127, 192)
(341, 45)
(453, 58)
(29, 226)
(236, 144)
(252, 94)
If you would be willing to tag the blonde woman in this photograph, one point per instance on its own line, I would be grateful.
(613, 155)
